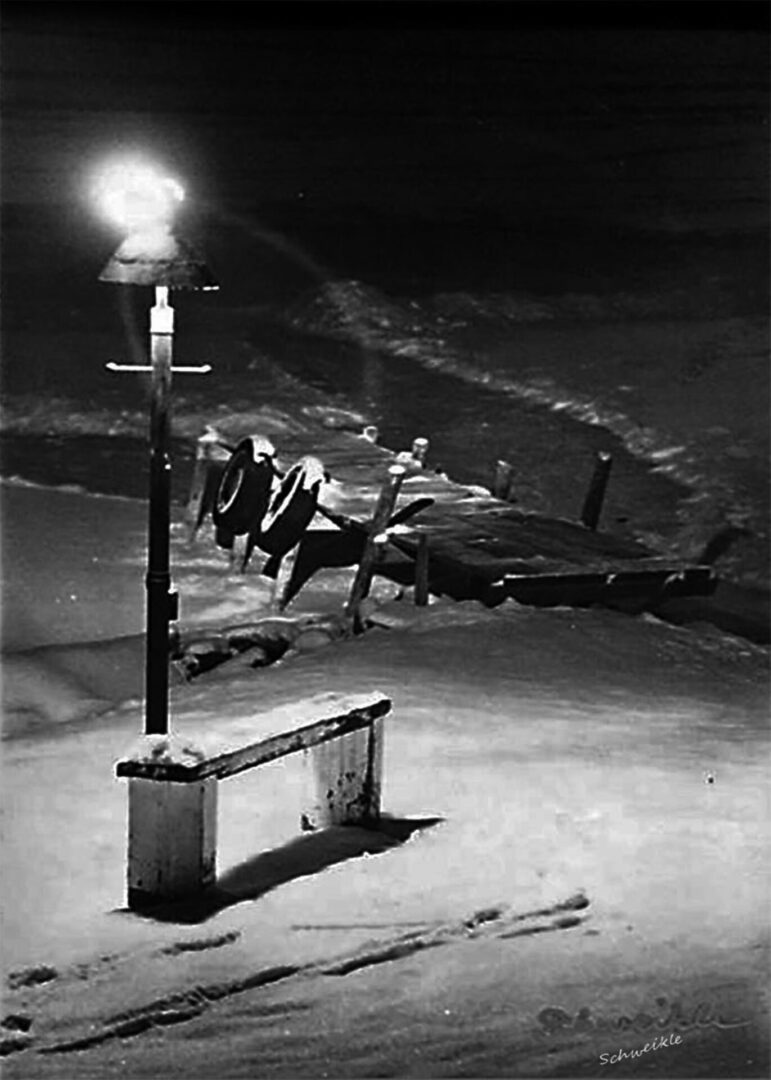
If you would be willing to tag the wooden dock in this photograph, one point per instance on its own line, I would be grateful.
(481, 547)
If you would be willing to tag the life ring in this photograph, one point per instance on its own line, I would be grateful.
(292, 508)
(244, 490)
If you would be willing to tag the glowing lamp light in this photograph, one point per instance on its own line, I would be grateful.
(137, 197)
(142, 201)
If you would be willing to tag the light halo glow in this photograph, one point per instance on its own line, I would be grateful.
(135, 195)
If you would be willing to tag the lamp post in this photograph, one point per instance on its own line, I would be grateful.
(142, 202)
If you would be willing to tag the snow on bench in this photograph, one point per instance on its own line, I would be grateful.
(172, 832)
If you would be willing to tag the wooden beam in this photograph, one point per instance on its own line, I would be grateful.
(595, 496)
(504, 475)
(594, 587)
(421, 571)
(232, 762)
(383, 512)
(280, 597)
(210, 460)
(420, 450)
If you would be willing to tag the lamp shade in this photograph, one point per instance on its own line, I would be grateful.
(157, 257)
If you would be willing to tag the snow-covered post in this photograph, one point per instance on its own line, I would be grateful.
(420, 450)
(371, 433)
(210, 461)
(502, 481)
(348, 777)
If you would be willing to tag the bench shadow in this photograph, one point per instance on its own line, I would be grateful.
(305, 855)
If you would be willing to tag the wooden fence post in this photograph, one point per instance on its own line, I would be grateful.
(595, 496)
(421, 571)
(502, 481)
(366, 569)
(419, 450)
(371, 433)
(283, 577)
(210, 461)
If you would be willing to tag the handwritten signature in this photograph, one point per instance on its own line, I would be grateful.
(658, 1042)
(672, 1015)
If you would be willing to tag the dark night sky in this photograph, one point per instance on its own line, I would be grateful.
(431, 108)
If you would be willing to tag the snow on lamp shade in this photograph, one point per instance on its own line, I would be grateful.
(157, 257)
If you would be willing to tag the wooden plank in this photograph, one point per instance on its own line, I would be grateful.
(332, 454)
(451, 557)
(510, 556)
(514, 545)
(231, 762)
(581, 589)
(558, 532)
(517, 543)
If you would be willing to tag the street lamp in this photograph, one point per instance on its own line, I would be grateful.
(142, 202)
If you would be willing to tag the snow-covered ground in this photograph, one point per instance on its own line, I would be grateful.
(576, 835)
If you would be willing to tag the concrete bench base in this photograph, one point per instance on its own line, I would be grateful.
(348, 776)
(172, 812)
(172, 839)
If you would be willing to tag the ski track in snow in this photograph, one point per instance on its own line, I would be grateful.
(498, 921)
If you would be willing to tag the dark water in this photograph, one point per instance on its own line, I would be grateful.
(392, 356)
(498, 194)
(470, 428)
(95, 421)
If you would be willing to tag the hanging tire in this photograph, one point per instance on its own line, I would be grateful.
(244, 490)
(292, 508)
